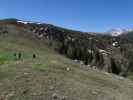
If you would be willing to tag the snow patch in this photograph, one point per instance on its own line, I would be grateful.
(103, 51)
(28, 22)
(22, 22)
(39, 23)
(115, 43)
(78, 61)
(90, 51)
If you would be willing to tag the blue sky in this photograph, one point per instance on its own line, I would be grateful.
(84, 15)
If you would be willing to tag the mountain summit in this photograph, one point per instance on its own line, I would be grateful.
(118, 31)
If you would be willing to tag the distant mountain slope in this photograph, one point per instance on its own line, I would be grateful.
(51, 76)
(104, 52)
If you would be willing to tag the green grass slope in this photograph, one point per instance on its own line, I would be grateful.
(51, 76)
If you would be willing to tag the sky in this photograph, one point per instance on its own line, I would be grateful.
(83, 15)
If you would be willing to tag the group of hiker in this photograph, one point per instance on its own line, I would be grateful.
(19, 55)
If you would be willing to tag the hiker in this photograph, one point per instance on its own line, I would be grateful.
(15, 55)
(19, 55)
(34, 56)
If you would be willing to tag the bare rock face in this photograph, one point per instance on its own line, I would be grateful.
(106, 62)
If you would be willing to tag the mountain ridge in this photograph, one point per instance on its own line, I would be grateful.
(68, 65)
(93, 49)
